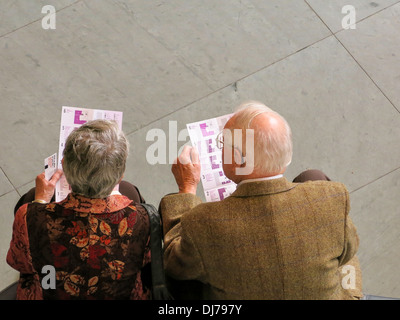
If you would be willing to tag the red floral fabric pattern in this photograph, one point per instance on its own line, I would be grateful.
(98, 247)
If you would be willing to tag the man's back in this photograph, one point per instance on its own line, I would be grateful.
(268, 240)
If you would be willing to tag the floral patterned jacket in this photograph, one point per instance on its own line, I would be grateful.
(99, 248)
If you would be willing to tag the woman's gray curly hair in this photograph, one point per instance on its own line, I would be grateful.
(95, 158)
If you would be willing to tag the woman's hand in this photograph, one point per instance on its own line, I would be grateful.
(45, 189)
(187, 169)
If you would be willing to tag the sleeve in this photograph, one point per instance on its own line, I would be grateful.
(349, 265)
(18, 256)
(351, 240)
(182, 259)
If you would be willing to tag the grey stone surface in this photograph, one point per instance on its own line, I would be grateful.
(222, 41)
(375, 45)
(375, 211)
(90, 60)
(15, 14)
(330, 11)
(5, 185)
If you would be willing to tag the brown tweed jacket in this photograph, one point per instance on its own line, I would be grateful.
(269, 240)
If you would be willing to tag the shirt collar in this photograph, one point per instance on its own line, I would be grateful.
(260, 179)
(263, 187)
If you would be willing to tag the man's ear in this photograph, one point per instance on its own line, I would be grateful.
(238, 157)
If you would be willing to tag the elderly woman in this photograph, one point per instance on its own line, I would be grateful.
(95, 243)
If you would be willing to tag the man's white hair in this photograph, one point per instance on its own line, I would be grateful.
(273, 149)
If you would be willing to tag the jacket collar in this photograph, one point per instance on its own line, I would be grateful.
(261, 188)
(80, 203)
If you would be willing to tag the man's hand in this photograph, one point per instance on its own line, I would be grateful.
(44, 188)
(187, 169)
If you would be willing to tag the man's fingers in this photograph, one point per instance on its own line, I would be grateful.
(195, 156)
(184, 157)
(189, 155)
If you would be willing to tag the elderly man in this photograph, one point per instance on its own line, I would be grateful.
(271, 239)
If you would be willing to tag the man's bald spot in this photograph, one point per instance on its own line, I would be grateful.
(267, 122)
